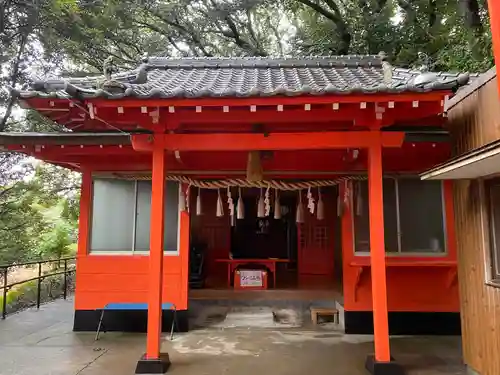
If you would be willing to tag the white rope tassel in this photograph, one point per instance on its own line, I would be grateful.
(267, 203)
(320, 213)
(277, 205)
(299, 217)
(240, 211)
(343, 201)
(310, 201)
(233, 220)
(198, 203)
(220, 207)
(230, 203)
(182, 199)
(261, 206)
(188, 194)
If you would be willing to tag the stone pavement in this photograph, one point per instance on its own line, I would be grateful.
(42, 343)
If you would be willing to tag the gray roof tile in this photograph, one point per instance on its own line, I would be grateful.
(161, 77)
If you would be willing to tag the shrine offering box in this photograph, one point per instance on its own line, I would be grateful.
(250, 279)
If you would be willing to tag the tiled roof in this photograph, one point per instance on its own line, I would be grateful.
(251, 77)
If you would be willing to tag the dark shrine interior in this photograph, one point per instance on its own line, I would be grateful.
(260, 238)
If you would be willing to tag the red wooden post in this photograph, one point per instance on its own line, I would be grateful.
(377, 254)
(84, 219)
(156, 253)
(83, 226)
(154, 362)
(494, 11)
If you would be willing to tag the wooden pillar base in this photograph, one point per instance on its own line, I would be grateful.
(153, 366)
(383, 368)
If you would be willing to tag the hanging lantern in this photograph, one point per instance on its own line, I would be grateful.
(220, 207)
(359, 200)
(310, 201)
(240, 210)
(277, 205)
(182, 199)
(261, 206)
(320, 214)
(254, 167)
(299, 217)
(198, 203)
(267, 203)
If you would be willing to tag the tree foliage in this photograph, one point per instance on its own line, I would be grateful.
(38, 209)
(446, 34)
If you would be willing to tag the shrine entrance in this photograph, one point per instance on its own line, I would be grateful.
(295, 250)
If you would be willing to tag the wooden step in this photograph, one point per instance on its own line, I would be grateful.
(317, 311)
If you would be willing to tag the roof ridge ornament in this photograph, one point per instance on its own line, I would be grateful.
(386, 68)
(109, 67)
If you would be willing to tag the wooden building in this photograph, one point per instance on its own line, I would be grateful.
(474, 123)
(308, 167)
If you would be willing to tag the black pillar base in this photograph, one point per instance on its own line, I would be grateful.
(383, 368)
(153, 366)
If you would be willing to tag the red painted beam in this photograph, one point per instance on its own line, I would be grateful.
(274, 141)
(273, 100)
(494, 11)
(272, 116)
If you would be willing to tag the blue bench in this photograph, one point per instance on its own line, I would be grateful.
(116, 306)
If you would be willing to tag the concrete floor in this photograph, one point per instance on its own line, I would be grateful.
(42, 343)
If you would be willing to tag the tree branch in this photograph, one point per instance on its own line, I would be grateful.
(472, 16)
(336, 18)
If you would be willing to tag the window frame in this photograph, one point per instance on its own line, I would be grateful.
(399, 252)
(132, 251)
(492, 251)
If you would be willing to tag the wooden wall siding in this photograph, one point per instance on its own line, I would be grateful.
(475, 122)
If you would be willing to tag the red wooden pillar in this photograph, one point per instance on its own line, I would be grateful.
(83, 228)
(153, 361)
(381, 362)
(85, 209)
(494, 11)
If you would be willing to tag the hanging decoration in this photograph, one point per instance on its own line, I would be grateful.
(188, 194)
(198, 203)
(240, 214)
(340, 204)
(254, 167)
(230, 202)
(261, 206)
(220, 208)
(299, 217)
(182, 199)
(267, 203)
(244, 183)
(233, 220)
(347, 191)
(264, 201)
(277, 205)
(320, 213)
(310, 201)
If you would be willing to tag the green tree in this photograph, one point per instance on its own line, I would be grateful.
(443, 34)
